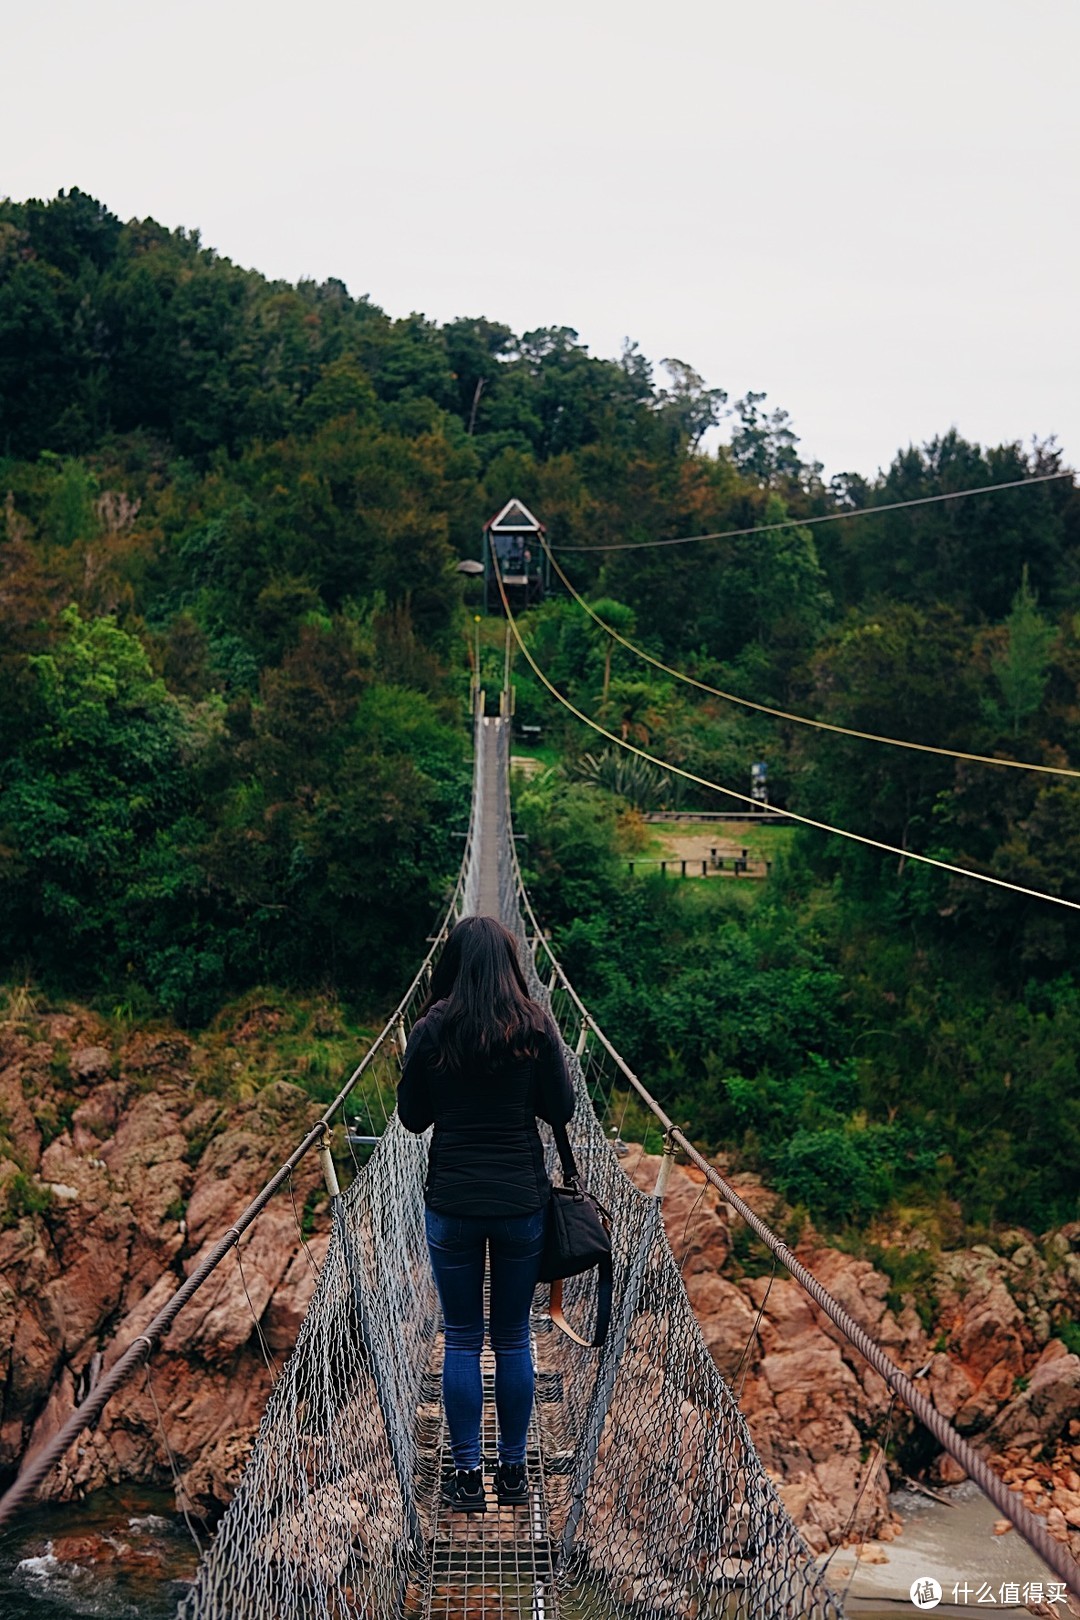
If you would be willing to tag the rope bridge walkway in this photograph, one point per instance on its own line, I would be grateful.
(647, 1497)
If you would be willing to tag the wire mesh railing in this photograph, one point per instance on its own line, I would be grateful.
(647, 1495)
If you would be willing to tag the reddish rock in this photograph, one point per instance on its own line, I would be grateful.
(88, 1275)
(157, 1172)
(811, 1401)
(1042, 1410)
(89, 1064)
(947, 1471)
(289, 1302)
(726, 1316)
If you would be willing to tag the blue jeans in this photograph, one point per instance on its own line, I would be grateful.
(457, 1245)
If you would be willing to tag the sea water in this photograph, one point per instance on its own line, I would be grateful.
(138, 1561)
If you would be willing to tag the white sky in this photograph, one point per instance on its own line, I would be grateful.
(867, 209)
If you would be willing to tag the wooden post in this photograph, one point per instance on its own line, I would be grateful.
(684, 868)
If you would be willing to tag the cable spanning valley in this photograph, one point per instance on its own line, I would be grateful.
(784, 714)
(745, 798)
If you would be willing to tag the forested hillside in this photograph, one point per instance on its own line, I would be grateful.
(235, 651)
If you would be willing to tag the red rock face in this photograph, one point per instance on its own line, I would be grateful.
(140, 1188)
(818, 1413)
(147, 1172)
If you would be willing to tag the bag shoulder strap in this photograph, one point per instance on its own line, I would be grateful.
(603, 1307)
(571, 1174)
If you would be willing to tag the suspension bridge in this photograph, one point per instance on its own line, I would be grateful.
(647, 1496)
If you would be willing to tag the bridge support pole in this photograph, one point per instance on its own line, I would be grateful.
(611, 1355)
(326, 1160)
(663, 1175)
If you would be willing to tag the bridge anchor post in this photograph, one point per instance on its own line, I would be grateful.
(663, 1175)
(326, 1160)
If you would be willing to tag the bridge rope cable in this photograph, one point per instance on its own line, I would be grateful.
(646, 1494)
(823, 517)
(745, 798)
(784, 714)
(36, 1468)
(1010, 1502)
(653, 1499)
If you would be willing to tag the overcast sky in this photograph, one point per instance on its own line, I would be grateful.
(867, 209)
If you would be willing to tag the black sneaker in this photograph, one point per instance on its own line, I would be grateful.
(511, 1484)
(463, 1491)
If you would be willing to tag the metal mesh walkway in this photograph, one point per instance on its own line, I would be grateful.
(499, 1563)
(648, 1498)
(490, 898)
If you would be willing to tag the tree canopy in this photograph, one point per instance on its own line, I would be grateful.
(233, 672)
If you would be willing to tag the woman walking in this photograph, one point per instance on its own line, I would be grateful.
(482, 1062)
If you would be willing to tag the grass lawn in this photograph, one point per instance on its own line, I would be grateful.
(546, 753)
(675, 840)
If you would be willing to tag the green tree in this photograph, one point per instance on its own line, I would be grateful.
(70, 513)
(688, 405)
(99, 775)
(763, 443)
(1022, 668)
(620, 618)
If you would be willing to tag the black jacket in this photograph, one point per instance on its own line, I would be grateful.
(486, 1157)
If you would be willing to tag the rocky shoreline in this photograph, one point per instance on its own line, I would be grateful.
(121, 1168)
(139, 1175)
(823, 1421)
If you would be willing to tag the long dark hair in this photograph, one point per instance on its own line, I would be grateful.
(489, 1014)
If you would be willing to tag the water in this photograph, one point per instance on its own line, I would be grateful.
(955, 1544)
(140, 1556)
(132, 1559)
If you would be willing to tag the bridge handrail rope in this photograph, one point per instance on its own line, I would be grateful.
(824, 517)
(745, 798)
(1010, 1502)
(36, 1468)
(137, 1352)
(784, 714)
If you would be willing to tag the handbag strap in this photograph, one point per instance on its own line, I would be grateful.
(571, 1174)
(572, 1178)
(603, 1307)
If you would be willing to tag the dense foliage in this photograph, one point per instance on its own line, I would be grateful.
(233, 660)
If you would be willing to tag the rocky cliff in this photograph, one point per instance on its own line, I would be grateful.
(824, 1421)
(119, 1168)
(119, 1173)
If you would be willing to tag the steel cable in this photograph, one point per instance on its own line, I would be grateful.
(784, 714)
(824, 517)
(745, 798)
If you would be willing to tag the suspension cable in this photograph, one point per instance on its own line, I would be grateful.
(824, 517)
(1010, 1502)
(41, 1463)
(783, 714)
(744, 798)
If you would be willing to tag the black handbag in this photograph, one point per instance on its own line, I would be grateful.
(576, 1238)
